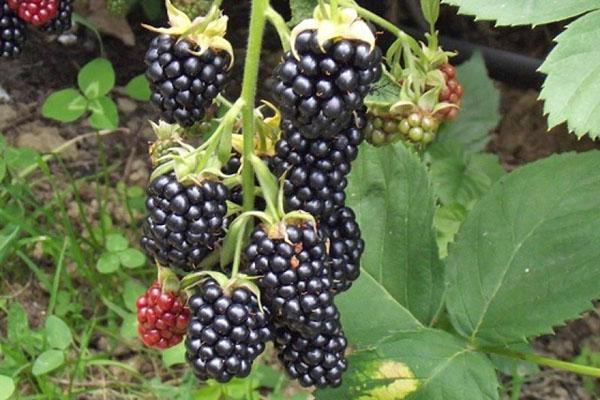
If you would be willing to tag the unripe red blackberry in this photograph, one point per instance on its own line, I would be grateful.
(12, 32)
(319, 91)
(451, 93)
(183, 84)
(62, 22)
(293, 278)
(345, 247)
(184, 222)
(226, 332)
(315, 361)
(35, 12)
(162, 317)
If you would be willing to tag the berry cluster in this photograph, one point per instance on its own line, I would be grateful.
(320, 89)
(416, 127)
(451, 93)
(162, 317)
(226, 332)
(183, 84)
(12, 31)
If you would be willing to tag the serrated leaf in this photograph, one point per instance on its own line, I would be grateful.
(174, 355)
(48, 361)
(139, 88)
(58, 334)
(423, 364)
(7, 387)
(96, 78)
(116, 242)
(526, 258)
(301, 10)
(479, 110)
(132, 258)
(65, 105)
(386, 315)
(390, 192)
(447, 221)
(519, 12)
(384, 93)
(105, 114)
(570, 92)
(131, 291)
(108, 263)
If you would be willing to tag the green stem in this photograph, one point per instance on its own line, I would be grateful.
(250, 79)
(549, 362)
(334, 10)
(217, 3)
(280, 26)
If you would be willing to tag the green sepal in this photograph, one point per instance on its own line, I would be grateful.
(191, 280)
(245, 281)
(168, 280)
(234, 235)
(268, 184)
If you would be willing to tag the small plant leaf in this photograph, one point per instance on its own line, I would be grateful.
(570, 92)
(17, 323)
(447, 221)
(479, 112)
(108, 263)
(47, 362)
(174, 355)
(431, 11)
(58, 334)
(525, 259)
(301, 10)
(116, 242)
(129, 326)
(96, 78)
(105, 114)
(131, 291)
(66, 105)
(139, 88)
(519, 12)
(132, 258)
(384, 93)
(7, 387)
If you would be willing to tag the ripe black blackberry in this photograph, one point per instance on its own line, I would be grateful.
(62, 22)
(319, 90)
(316, 361)
(184, 222)
(12, 31)
(294, 279)
(316, 169)
(183, 84)
(345, 247)
(226, 332)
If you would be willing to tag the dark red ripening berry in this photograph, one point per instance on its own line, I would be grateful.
(452, 93)
(184, 222)
(162, 318)
(12, 32)
(35, 12)
(226, 332)
(183, 84)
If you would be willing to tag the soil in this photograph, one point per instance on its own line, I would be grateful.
(521, 136)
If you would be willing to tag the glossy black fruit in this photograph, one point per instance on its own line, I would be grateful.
(12, 32)
(62, 22)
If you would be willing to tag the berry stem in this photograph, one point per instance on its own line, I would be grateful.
(257, 26)
(549, 362)
(281, 27)
(334, 10)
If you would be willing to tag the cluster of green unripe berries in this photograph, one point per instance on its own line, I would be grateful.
(416, 127)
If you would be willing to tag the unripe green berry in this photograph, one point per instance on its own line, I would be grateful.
(416, 134)
(428, 137)
(428, 123)
(378, 138)
(377, 123)
(414, 120)
(404, 126)
(389, 126)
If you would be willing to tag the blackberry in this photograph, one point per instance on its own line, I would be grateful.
(62, 22)
(226, 332)
(320, 90)
(162, 317)
(316, 361)
(183, 84)
(12, 32)
(184, 222)
(345, 248)
(294, 279)
(316, 169)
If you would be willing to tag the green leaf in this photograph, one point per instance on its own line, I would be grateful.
(301, 10)
(105, 114)
(571, 88)
(17, 324)
(519, 12)
(514, 367)
(58, 334)
(479, 111)
(447, 220)
(423, 364)
(210, 392)
(390, 192)
(139, 88)
(525, 259)
(116, 242)
(131, 291)
(129, 326)
(132, 258)
(108, 263)
(384, 93)
(431, 10)
(7, 387)
(174, 355)
(96, 78)
(152, 9)
(48, 361)
(386, 315)
(21, 158)
(65, 105)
